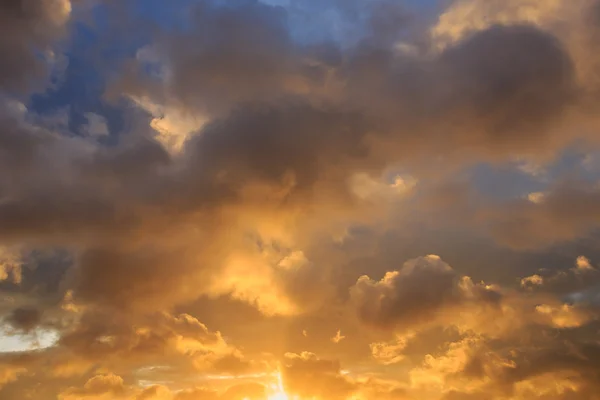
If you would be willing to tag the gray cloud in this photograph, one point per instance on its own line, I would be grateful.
(28, 27)
(24, 319)
(415, 294)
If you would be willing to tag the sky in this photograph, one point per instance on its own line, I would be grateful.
(299, 200)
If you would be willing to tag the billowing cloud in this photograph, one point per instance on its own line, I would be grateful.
(29, 26)
(24, 319)
(426, 292)
(567, 212)
(417, 293)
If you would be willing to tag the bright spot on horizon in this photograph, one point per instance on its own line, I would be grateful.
(277, 391)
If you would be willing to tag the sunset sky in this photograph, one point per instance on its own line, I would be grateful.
(299, 200)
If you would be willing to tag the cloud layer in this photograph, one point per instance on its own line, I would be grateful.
(225, 200)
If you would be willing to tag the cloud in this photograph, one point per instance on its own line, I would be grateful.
(426, 292)
(262, 180)
(582, 264)
(29, 26)
(220, 41)
(464, 363)
(418, 292)
(391, 352)
(465, 17)
(533, 280)
(306, 375)
(180, 342)
(462, 84)
(10, 265)
(338, 337)
(528, 98)
(9, 374)
(24, 319)
(110, 386)
(98, 387)
(242, 168)
(565, 281)
(567, 212)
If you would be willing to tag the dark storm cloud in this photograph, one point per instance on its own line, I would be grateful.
(418, 293)
(24, 319)
(580, 357)
(29, 28)
(514, 81)
(274, 124)
(467, 97)
(264, 143)
(20, 146)
(497, 92)
(379, 107)
(569, 210)
(140, 278)
(231, 53)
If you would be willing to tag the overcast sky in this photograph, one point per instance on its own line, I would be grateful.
(299, 200)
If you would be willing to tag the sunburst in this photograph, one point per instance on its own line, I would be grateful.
(277, 391)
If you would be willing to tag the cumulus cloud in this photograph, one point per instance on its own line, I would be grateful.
(417, 293)
(581, 276)
(533, 280)
(582, 264)
(391, 352)
(426, 292)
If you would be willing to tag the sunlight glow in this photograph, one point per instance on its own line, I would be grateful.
(38, 340)
(277, 391)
